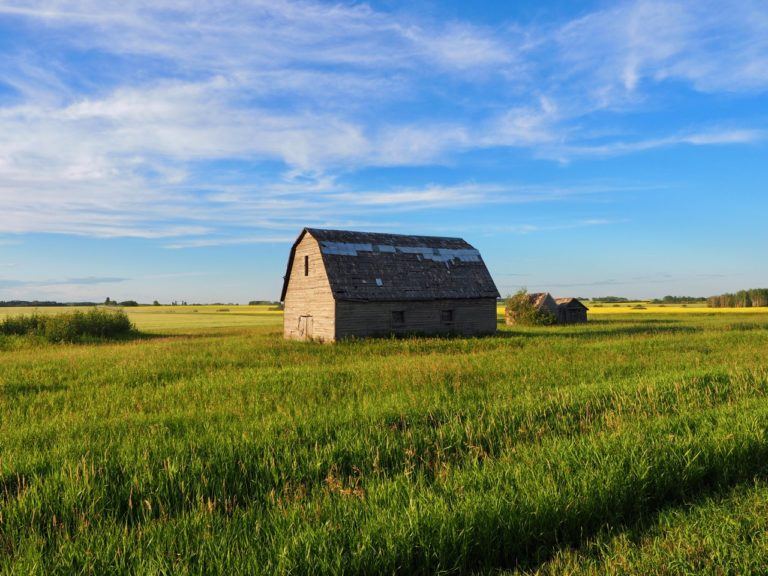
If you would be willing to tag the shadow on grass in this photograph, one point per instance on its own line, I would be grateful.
(14, 485)
(512, 333)
(643, 321)
(26, 341)
(18, 390)
(636, 526)
(133, 336)
(589, 334)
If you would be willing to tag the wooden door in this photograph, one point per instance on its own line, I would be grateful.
(305, 327)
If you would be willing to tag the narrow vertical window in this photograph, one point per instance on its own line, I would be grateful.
(306, 265)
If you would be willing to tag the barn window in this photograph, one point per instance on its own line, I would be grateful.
(398, 317)
(306, 265)
(446, 316)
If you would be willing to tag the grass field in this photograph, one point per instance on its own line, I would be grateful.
(637, 444)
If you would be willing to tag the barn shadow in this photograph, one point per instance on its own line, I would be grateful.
(587, 332)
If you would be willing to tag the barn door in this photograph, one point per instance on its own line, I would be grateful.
(305, 327)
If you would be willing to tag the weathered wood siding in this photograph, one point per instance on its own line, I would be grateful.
(470, 316)
(549, 305)
(572, 315)
(309, 296)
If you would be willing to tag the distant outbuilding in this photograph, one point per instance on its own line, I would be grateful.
(571, 311)
(561, 310)
(341, 284)
(544, 302)
(535, 309)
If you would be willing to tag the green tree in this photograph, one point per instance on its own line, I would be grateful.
(521, 310)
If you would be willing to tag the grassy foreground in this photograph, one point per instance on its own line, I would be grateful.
(637, 444)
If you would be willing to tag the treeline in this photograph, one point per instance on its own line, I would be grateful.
(40, 304)
(678, 300)
(741, 299)
(610, 299)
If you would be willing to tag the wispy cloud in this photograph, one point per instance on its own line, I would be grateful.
(620, 50)
(723, 137)
(164, 140)
(571, 225)
(228, 241)
(6, 283)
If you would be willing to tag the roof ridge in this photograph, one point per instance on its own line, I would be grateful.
(311, 229)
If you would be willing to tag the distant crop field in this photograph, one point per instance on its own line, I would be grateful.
(209, 444)
(649, 308)
(644, 308)
(159, 318)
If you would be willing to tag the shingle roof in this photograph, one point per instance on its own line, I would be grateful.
(381, 267)
(538, 298)
(569, 301)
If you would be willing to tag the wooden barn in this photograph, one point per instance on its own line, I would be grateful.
(571, 311)
(342, 284)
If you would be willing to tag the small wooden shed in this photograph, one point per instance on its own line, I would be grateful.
(544, 302)
(571, 311)
(564, 310)
(541, 301)
(341, 284)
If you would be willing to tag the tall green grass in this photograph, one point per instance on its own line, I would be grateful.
(69, 326)
(233, 451)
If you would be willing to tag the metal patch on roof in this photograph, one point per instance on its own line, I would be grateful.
(426, 252)
(344, 248)
(442, 254)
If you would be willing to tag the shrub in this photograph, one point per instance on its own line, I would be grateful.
(21, 325)
(69, 326)
(520, 310)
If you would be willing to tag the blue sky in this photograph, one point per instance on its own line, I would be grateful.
(173, 149)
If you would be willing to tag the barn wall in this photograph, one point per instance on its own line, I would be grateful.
(309, 295)
(573, 315)
(549, 305)
(475, 316)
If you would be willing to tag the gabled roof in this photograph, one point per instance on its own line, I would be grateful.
(368, 266)
(570, 302)
(538, 298)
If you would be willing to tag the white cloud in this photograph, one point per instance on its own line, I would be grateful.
(235, 35)
(229, 241)
(716, 48)
(316, 90)
(552, 227)
(618, 147)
